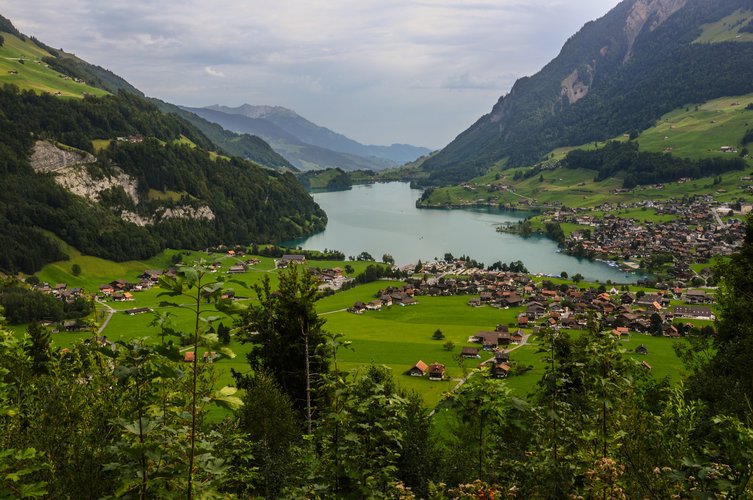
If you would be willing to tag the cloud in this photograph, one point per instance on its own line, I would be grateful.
(382, 71)
(213, 72)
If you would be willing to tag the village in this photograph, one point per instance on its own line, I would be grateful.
(542, 304)
(686, 233)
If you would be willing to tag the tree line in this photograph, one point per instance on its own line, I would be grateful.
(645, 168)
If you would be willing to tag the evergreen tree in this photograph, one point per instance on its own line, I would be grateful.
(37, 347)
(285, 331)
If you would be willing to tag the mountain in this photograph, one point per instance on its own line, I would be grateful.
(105, 170)
(250, 147)
(618, 74)
(310, 133)
(307, 145)
(304, 156)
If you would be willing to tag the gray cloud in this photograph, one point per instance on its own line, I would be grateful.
(381, 71)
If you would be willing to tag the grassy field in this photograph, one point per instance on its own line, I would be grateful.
(727, 29)
(33, 74)
(693, 132)
(396, 337)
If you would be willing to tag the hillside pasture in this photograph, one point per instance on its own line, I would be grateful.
(33, 73)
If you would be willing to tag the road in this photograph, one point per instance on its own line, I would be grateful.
(110, 312)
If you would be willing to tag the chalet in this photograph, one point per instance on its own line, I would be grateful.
(535, 310)
(189, 357)
(419, 369)
(237, 269)
(286, 260)
(697, 312)
(436, 371)
(641, 349)
(151, 275)
(374, 305)
(73, 325)
(470, 352)
(475, 302)
(522, 320)
(106, 290)
(697, 297)
(645, 365)
(209, 356)
(501, 357)
(517, 337)
(501, 370)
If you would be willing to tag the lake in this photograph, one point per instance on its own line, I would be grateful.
(383, 218)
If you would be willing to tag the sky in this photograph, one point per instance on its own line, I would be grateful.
(379, 71)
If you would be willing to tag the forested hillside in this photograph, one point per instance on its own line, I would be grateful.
(617, 74)
(249, 203)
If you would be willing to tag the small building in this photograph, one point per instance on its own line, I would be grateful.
(286, 260)
(501, 370)
(641, 349)
(470, 352)
(436, 371)
(419, 369)
(188, 357)
(237, 269)
(698, 312)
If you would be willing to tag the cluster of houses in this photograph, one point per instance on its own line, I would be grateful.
(695, 234)
(60, 291)
(330, 279)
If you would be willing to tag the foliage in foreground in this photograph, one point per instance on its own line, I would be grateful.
(94, 421)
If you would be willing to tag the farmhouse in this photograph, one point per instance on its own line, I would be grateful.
(436, 371)
(286, 260)
(419, 369)
(501, 370)
(697, 312)
(237, 269)
(641, 349)
(470, 352)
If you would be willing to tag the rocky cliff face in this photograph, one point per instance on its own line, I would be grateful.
(70, 170)
(651, 12)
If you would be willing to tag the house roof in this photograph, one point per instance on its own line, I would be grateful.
(421, 366)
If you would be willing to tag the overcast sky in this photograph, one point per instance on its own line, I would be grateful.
(379, 71)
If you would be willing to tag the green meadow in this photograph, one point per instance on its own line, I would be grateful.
(396, 336)
(33, 73)
(695, 131)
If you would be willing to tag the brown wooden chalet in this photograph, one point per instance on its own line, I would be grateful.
(419, 369)
(436, 371)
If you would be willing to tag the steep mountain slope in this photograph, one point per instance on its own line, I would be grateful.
(619, 73)
(250, 147)
(304, 156)
(310, 133)
(117, 178)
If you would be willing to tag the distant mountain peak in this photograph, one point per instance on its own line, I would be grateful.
(255, 111)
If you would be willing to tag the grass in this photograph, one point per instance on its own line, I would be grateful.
(694, 132)
(396, 337)
(727, 29)
(33, 74)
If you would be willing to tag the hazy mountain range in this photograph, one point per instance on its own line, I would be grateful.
(305, 144)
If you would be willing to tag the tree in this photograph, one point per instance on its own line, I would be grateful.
(438, 335)
(418, 267)
(285, 331)
(75, 269)
(449, 345)
(365, 256)
(577, 278)
(388, 259)
(730, 367)
(270, 422)
(448, 257)
(223, 334)
(192, 283)
(37, 347)
(563, 275)
(349, 269)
